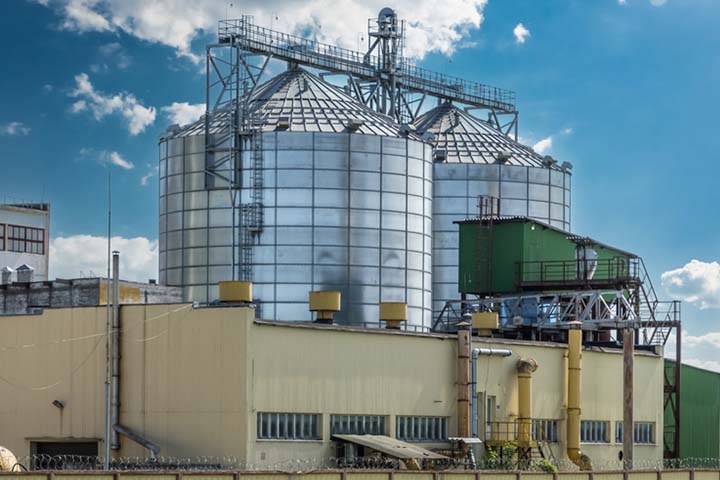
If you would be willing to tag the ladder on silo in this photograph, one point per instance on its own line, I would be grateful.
(251, 224)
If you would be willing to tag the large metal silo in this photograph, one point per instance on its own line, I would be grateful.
(346, 204)
(472, 159)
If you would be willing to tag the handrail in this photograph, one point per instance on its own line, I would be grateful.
(614, 270)
(290, 47)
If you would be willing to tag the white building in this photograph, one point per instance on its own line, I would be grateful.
(24, 240)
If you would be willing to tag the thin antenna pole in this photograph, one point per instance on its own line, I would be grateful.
(106, 443)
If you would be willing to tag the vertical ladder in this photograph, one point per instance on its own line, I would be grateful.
(251, 224)
(488, 210)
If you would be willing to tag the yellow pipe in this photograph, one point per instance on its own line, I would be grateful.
(525, 369)
(573, 393)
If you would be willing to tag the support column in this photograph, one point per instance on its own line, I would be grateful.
(628, 423)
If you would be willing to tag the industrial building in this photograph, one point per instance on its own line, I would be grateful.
(217, 381)
(700, 413)
(24, 242)
(360, 272)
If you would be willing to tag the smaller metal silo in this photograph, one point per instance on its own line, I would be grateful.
(472, 159)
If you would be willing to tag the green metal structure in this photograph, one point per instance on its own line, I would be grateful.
(509, 255)
(700, 413)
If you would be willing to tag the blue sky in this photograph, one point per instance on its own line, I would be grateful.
(623, 90)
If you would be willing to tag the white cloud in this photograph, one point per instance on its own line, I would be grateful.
(696, 282)
(80, 256)
(81, 15)
(137, 116)
(658, 3)
(705, 364)
(14, 128)
(521, 33)
(177, 23)
(183, 113)
(699, 350)
(622, 2)
(567, 131)
(543, 145)
(145, 179)
(107, 157)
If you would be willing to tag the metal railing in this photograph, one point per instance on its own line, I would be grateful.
(542, 431)
(284, 46)
(616, 270)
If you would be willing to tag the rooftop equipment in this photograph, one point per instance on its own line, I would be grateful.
(6, 275)
(25, 273)
(325, 305)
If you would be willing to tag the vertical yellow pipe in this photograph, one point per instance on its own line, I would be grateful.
(573, 394)
(525, 368)
(463, 383)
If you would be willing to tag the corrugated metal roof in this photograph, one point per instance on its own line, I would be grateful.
(308, 104)
(467, 139)
(391, 446)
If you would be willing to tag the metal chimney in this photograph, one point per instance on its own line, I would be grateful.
(25, 273)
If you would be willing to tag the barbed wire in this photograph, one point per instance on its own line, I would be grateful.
(374, 462)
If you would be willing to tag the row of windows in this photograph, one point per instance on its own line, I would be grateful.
(306, 426)
(22, 239)
(594, 431)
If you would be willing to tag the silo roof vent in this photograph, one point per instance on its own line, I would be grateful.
(283, 123)
(503, 156)
(354, 124)
(549, 161)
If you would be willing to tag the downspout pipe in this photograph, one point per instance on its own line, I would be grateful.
(115, 364)
(474, 407)
(126, 432)
(525, 368)
(573, 394)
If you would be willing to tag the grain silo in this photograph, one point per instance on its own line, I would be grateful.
(472, 159)
(344, 197)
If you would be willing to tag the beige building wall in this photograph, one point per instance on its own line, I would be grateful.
(193, 381)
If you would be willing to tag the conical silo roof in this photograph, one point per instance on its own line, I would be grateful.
(467, 139)
(298, 101)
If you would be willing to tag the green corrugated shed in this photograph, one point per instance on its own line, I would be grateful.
(517, 241)
(699, 413)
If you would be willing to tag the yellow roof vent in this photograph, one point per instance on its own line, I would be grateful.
(393, 314)
(484, 323)
(235, 292)
(325, 303)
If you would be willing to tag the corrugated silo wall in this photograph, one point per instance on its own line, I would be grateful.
(342, 211)
(539, 193)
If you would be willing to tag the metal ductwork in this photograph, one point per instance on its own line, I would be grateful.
(525, 368)
(475, 414)
(573, 394)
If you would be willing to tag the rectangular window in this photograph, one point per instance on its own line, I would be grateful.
(421, 429)
(2, 237)
(643, 433)
(545, 431)
(594, 431)
(288, 426)
(357, 424)
(26, 239)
